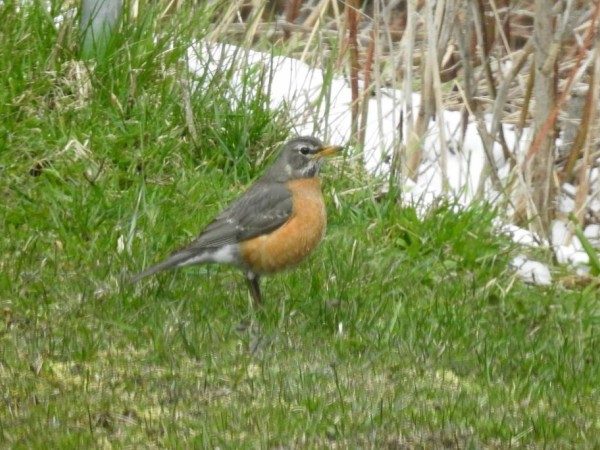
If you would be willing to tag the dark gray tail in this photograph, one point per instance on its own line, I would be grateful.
(170, 263)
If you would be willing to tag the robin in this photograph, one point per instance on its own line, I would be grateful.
(273, 226)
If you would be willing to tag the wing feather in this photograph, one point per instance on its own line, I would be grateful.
(261, 210)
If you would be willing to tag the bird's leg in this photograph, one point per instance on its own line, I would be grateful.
(253, 280)
(257, 339)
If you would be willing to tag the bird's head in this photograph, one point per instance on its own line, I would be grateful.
(301, 157)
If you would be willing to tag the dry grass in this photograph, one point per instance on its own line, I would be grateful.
(474, 57)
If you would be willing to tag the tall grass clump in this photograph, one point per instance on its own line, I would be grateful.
(407, 329)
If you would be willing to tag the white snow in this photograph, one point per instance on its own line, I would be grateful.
(532, 271)
(324, 110)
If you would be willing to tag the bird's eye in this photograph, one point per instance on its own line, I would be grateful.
(305, 150)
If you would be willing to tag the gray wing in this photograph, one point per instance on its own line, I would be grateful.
(261, 210)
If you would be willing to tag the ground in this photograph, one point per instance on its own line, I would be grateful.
(406, 329)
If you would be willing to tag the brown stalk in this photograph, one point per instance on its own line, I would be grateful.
(538, 172)
(526, 101)
(551, 119)
(292, 11)
(582, 133)
(438, 34)
(415, 127)
(352, 26)
(485, 43)
(366, 94)
(590, 114)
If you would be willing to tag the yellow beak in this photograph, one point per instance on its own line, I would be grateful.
(328, 150)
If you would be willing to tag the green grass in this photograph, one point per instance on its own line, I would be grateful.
(402, 331)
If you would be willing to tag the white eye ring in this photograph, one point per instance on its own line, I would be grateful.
(305, 150)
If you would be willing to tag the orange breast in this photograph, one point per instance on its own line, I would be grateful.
(297, 238)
